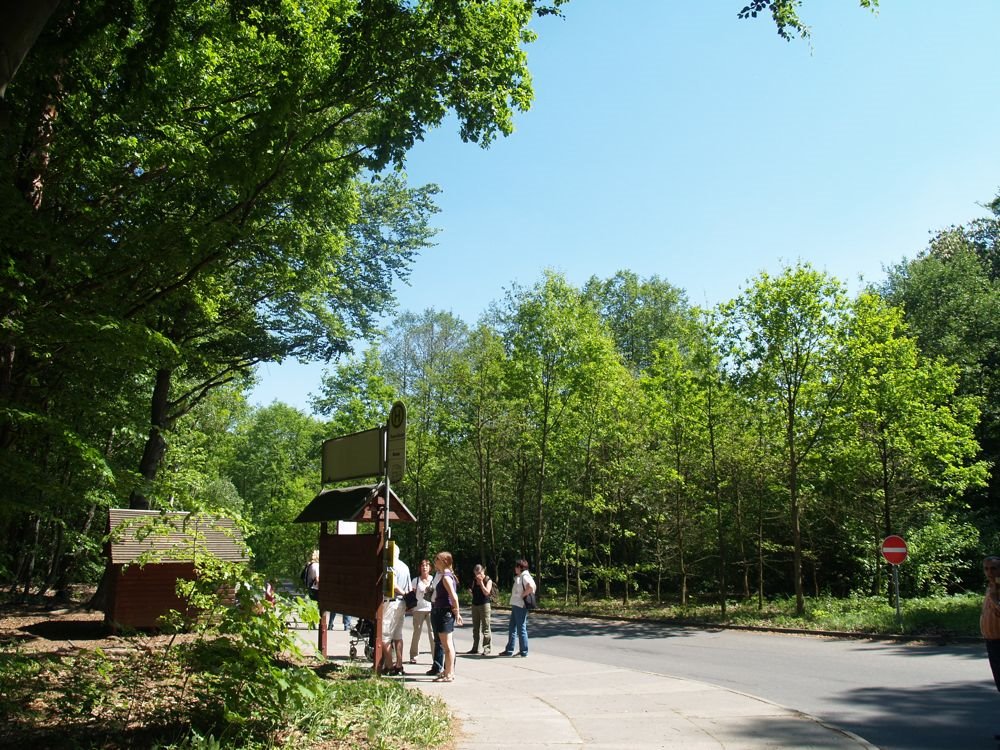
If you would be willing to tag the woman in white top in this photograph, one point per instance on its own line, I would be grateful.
(422, 612)
(523, 584)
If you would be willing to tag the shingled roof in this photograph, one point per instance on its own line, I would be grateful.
(352, 504)
(172, 537)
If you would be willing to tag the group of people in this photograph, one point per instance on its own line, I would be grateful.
(432, 600)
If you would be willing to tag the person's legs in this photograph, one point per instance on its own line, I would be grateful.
(993, 652)
(477, 624)
(487, 633)
(419, 620)
(438, 665)
(431, 638)
(449, 653)
(445, 626)
(347, 622)
(397, 634)
(438, 649)
(443, 645)
(511, 629)
(522, 629)
(388, 622)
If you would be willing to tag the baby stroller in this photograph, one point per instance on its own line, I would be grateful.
(363, 630)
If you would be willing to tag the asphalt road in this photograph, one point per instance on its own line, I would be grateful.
(899, 696)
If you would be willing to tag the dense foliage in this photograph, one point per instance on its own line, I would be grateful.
(625, 441)
(188, 189)
(192, 188)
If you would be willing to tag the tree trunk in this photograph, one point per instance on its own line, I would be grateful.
(20, 25)
(717, 492)
(793, 497)
(156, 444)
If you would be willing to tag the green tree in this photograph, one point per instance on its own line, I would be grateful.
(681, 440)
(785, 335)
(950, 294)
(557, 349)
(785, 14)
(275, 468)
(419, 352)
(639, 313)
(485, 450)
(909, 436)
(355, 396)
(187, 192)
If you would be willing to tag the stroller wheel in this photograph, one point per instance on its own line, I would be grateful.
(354, 652)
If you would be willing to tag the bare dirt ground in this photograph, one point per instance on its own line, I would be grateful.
(56, 626)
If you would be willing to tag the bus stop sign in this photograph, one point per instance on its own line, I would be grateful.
(396, 443)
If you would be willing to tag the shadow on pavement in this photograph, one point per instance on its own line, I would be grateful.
(972, 651)
(925, 718)
(542, 625)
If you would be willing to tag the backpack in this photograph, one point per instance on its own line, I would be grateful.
(494, 592)
(304, 575)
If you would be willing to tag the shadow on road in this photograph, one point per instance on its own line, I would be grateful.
(540, 626)
(930, 717)
(972, 651)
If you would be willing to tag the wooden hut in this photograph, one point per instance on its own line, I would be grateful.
(148, 551)
(351, 566)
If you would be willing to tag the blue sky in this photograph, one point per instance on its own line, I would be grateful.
(673, 139)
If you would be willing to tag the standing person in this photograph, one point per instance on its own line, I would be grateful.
(989, 619)
(444, 613)
(437, 660)
(310, 575)
(523, 584)
(393, 614)
(482, 587)
(422, 612)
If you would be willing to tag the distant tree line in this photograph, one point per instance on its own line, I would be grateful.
(627, 442)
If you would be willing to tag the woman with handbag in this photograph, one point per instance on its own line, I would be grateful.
(421, 611)
(522, 599)
(444, 613)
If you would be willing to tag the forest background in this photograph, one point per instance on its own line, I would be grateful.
(196, 188)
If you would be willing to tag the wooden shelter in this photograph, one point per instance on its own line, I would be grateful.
(351, 565)
(148, 551)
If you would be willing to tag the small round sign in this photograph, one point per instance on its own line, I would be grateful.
(894, 549)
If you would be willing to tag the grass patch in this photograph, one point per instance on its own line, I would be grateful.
(948, 616)
(144, 699)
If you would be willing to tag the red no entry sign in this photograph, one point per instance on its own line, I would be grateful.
(894, 549)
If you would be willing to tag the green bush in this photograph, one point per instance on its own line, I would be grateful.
(236, 679)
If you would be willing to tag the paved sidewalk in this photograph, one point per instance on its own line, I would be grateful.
(552, 702)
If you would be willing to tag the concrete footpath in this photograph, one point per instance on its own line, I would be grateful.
(547, 701)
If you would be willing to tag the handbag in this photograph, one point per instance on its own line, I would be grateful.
(529, 601)
(410, 599)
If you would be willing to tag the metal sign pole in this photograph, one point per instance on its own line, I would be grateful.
(385, 478)
(386, 564)
(895, 584)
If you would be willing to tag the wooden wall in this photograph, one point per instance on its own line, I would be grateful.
(139, 595)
